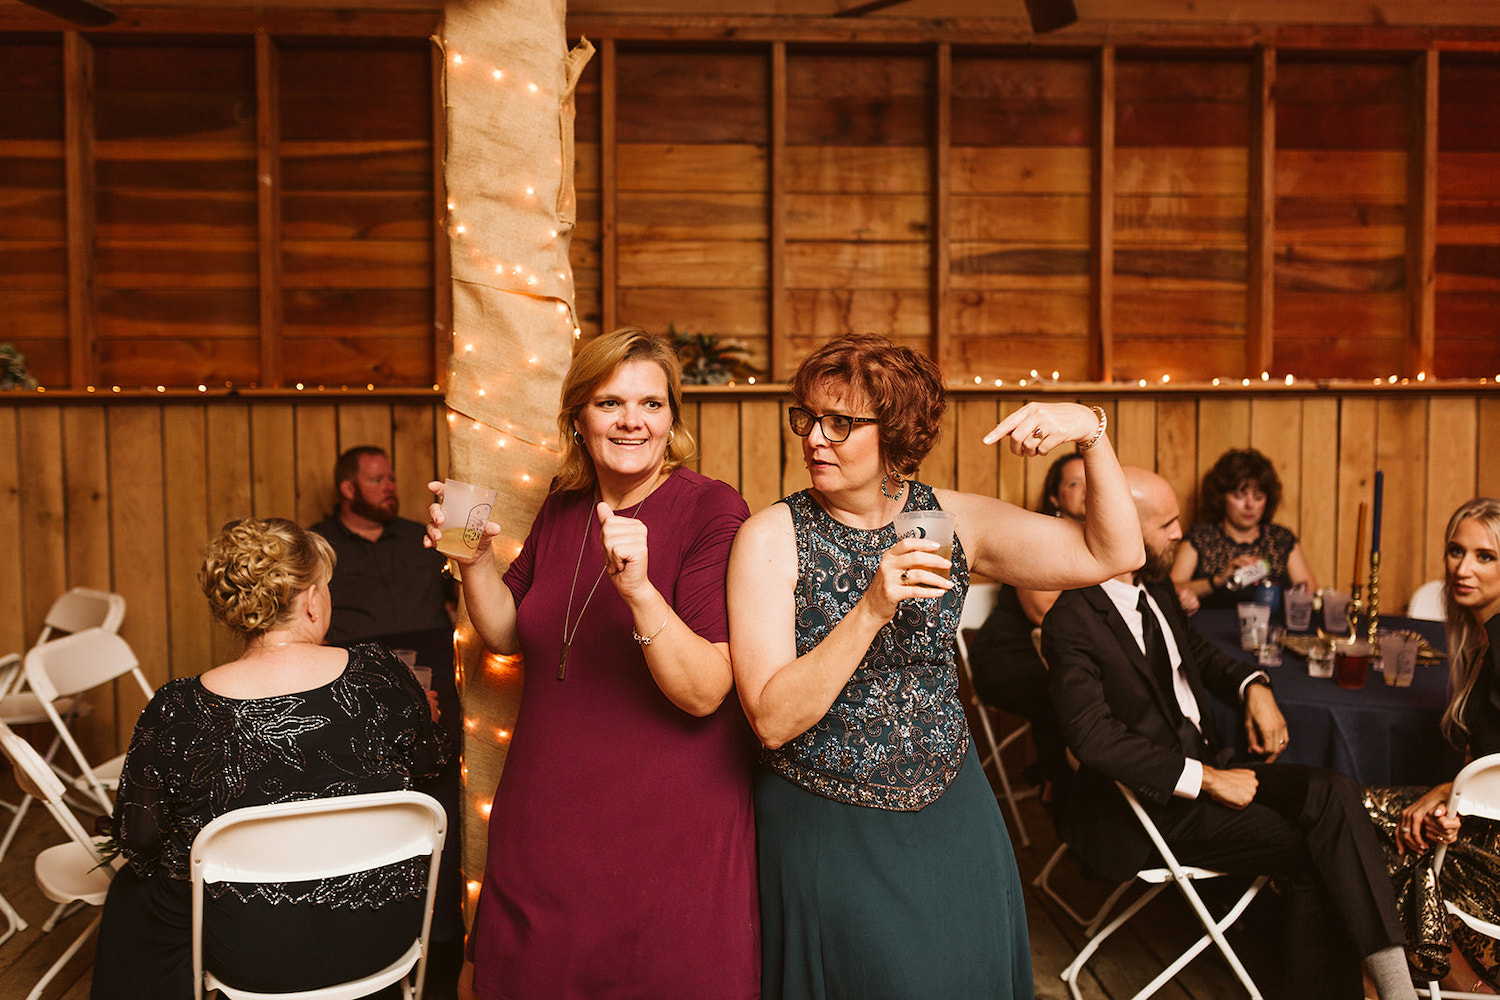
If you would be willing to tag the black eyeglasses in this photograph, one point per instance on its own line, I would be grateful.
(836, 426)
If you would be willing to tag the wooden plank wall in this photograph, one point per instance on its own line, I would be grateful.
(121, 492)
(261, 208)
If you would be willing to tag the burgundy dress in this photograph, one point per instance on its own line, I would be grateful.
(621, 843)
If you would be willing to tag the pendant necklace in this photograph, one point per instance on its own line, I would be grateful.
(568, 635)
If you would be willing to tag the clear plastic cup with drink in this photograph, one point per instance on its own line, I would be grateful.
(1398, 658)
(1298, 605)
(1251, 615)
(932, 525)
(465, 509)
(1320, 658)
(1351, 662)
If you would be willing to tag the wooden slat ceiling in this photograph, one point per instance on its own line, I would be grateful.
(1093, 14)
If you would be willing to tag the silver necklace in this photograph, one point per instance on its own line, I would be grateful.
(568, 635)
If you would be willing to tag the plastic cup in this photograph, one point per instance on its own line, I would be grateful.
(1251, 615)
(407, 656)
(1320, 658)
(1298, 604)
(1268, 653)
(465, 509)
(1351, 663)
(1398, 659)
(933, 525)
(1335, 605)
(423, 676)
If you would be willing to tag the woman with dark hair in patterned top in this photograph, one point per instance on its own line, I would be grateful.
(885, 871)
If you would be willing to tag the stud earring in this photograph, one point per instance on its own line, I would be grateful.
(577, 437)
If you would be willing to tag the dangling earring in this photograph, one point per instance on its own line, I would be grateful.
(888, 477)
(577, 437)
(671, 437)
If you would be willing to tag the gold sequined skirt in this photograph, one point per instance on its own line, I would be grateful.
(1470, 877)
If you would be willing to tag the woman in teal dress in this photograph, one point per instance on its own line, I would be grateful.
(885, 870)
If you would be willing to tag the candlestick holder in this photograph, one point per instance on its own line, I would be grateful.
(1374, 600)
(1353, 608)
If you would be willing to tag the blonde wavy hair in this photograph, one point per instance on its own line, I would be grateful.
(594, 364)
(1467, 641)
(255, 569)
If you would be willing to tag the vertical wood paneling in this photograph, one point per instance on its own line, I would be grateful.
(1320, 483)
(1421, 214)
(1488, 482)
(82, 202)
(1222, 424)
(609, 183)
(760, 456)
(975, 467)
(412, 457)
(137, 548)
(442, 274)
(86, 473)
(940, 468)
(1177, 451)
(44, 562)
(942, 210)
(13, 635)
(719, 441)
(1102, 252)
(1356, 476)
(317, 451)
(1016, 475)
(362, 424)
(1452, 435)
(272, 492)
(1402, 434)
(1133, 432)
(1261, 248)
(185, 507)
(1276, 431)
(268, 204)
(778, 353)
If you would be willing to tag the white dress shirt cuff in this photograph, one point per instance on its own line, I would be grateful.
(1259, 675)
(1190, 781)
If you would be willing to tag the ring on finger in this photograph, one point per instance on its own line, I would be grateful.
(903, 578)
(1038, 434)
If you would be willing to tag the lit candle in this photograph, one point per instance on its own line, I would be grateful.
(1375, 520)
(1359, 546)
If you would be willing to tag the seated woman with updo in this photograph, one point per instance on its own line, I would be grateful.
(289, 719)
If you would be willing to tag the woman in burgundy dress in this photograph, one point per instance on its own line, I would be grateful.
(621, 858)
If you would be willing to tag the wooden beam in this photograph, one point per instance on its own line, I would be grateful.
(442, 264)
(942, 210)
(1421, 214)
(81, 198)
(1260, 290)
(609, 181)
(778, 359)
(268, 205)
(1102, 246)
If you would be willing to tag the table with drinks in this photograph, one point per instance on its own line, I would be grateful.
(1340, 711)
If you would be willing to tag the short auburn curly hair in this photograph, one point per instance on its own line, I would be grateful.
(1235, 468)
(904, 390)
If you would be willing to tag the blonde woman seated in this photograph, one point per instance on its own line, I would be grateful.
(289, 719)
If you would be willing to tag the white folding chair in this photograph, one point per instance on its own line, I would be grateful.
(1476, 792)
(73, 611)
(1427, 602)
(72, 874)
(66, 668)
(313, 839)
(1157, 879)
(977, 607)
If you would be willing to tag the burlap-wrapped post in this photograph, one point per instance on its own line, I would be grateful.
(508, 92)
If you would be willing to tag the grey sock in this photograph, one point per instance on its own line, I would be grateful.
(1392, 976)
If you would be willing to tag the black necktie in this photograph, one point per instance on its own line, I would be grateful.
(1160, 661)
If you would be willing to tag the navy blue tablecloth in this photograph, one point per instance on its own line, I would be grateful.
(1377, 735)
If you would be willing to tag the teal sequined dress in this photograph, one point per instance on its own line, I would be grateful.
(886, 872)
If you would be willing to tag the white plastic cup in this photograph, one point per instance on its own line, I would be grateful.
(1320, 659)
(1398, 659)
(1298, 605)
(1251, 615)
(423, 676)
(465, 509)
(1335, 606)
(407, 656)
(1268, 653)
(932, 525)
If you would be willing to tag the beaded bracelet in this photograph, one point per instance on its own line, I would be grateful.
(1103, 423)
(646, 640)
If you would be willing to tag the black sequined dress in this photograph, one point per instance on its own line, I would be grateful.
(885, 869)
(1471, 868)
(195, 755)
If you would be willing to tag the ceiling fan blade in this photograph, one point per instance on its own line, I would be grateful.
(79, 12)
(1050, 15)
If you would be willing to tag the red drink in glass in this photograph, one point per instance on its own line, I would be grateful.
(1351, 664)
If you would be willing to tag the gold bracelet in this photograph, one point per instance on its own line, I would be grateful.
(1103, 423)
(646, 640)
